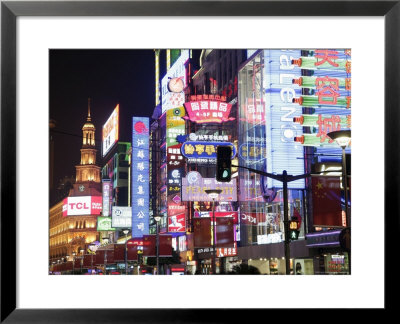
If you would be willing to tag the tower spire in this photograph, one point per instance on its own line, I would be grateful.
(88, 117)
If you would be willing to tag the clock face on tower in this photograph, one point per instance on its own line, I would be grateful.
(175, 85)
(81, 188)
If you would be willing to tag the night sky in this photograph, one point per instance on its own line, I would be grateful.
(108, 77)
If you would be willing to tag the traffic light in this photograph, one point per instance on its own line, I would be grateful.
(293, 230)
(224, 155)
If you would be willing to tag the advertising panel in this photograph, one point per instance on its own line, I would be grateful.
(121, 217)
(83, 205)
(110, 131)
(140, 176)
(104, 224)
(194, 186)
(175, 161)
(252, 218)
(174, 157)
(175, 124)
(283, 153)
(204, 150)
(208, 111)
(227, 251)
(177, 223)
(177, 70)
(327, 83)
(106, 197)
(233, 214)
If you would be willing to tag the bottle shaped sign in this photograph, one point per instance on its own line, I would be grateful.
(320, 120)
(315, 82)
(314, 140)
(331, 100)
(329, 63)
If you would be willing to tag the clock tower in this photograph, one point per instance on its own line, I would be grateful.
(87, 170)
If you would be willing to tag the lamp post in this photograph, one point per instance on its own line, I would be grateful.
(73, 262)
(105, 240)
(126, 231)
(81, 257)
(213, 194)
(92, 249)
(343, 138)
(157, 219)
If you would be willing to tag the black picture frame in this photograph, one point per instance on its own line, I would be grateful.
(10, 10)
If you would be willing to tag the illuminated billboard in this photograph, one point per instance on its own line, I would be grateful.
(176, 223)
(140, 176)
(177, 70)
(104, 224)
(84, 205)
(194, 186)
(121, 217)
(204, 150)
(107, 188)
(208, 111)
(283, 153)
(110, 131)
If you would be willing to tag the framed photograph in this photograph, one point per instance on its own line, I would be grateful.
(32, 31)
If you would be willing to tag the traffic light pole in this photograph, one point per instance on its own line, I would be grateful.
(284, 178)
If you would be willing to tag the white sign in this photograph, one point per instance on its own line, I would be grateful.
(110, 131)
(121, 217)
(171, 99)
(269, 238)
(82, 205)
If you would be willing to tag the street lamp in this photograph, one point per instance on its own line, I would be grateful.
(92, 248)
(343, 138)
(213, 194)
(126, 231)
(105, 240)
(157, 219)
(81, 250)
(73, 262)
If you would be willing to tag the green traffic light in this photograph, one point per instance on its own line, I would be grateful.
(225, 174)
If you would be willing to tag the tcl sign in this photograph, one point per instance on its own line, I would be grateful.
(86, 205)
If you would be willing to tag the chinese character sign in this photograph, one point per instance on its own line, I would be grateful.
(140, 176)
(208, 111)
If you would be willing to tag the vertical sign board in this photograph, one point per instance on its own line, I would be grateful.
(329, 89)
(177, 70)
(110, 131)
(140, 176)
(106, 197)
(283, 153)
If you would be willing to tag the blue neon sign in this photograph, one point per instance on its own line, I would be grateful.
(283, 153)
(140, 176)
(204, 150)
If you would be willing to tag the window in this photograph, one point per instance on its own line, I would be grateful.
(123, 175)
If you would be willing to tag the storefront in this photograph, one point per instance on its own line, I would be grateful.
(329, 250)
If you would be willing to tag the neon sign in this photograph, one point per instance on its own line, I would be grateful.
(177, 70)
(110, 131)
(204, 150)
(140, 176)
(82, 205)
(283, 153)
(208, 111)
(194, 186)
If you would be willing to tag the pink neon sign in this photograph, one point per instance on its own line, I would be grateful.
(208, 111)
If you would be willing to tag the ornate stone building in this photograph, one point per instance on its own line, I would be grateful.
(71, 230)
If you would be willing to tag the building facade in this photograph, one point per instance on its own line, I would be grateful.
(73, 221)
